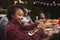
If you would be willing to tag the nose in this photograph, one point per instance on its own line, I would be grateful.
(21, 18)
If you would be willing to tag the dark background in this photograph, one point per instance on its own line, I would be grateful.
(51, 11)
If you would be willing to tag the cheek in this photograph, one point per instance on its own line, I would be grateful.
(16, 18)
(19, 17)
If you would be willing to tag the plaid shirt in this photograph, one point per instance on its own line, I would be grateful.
(14, 32)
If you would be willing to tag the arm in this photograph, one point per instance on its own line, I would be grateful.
(13, 33)
(29, 27)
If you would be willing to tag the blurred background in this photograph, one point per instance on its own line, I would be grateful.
(50, 7)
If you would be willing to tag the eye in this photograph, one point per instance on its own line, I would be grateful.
(21, 14)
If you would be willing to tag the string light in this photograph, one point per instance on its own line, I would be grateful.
(34, 3)
(41, 2)
(20, 1)
(15, 2)
(47, 4)
(58, 4)
(44, 3)
(50, 4)
(29, 10)
(54, 4)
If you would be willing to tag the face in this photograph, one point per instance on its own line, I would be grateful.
(42, 15)
(18, 16)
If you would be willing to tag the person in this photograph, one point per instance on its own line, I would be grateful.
(59, 21)
(15, 28)
(42, 15)
(55, 36)
(42, 18)
(27, 19)
(27, 15)
(3, 23)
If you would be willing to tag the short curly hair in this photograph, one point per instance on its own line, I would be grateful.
(12, 9)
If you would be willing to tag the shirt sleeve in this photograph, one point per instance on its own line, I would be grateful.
(13, 33)
(29, 27)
